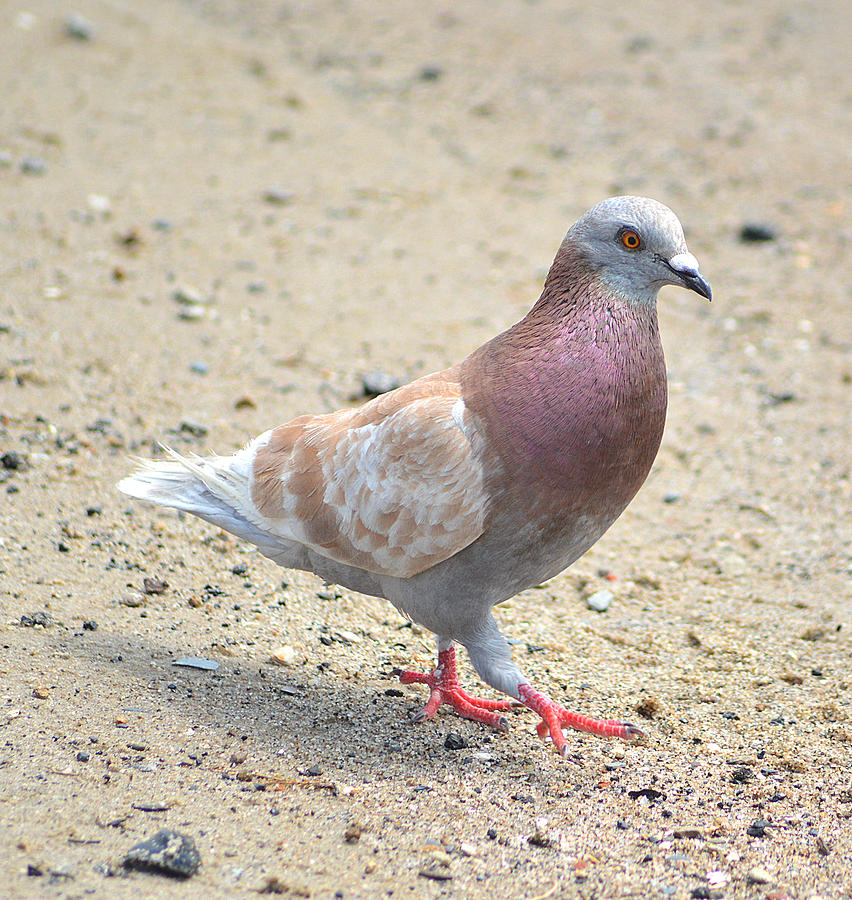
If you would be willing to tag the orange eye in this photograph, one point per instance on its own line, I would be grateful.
(631, 240)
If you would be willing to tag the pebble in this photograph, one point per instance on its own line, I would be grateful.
(600, 601)
(196, 662)
(99, 203)
(83, 756)
(375, 383)
(41, 618)
(41, 693)
(759, 828)
(154, 585)
(454, 741)
(757, 232)
(758, 876)
(200, 368)
(12, 460)
(190, 426)
(191, 313)
(671, 497)
(278, 196)
(283, 656)
(167, 852)
(79, 28)
(33, 165)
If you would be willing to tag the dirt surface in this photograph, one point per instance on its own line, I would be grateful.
(335, 188)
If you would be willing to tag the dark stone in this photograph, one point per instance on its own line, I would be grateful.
(37, 618)
(757, 232)
(90, 625)
(240, 569)
(166, 853)
(83, 756)
(431, 73)
(454, 741)
(375, 383)
(741, 775)
(12, 460)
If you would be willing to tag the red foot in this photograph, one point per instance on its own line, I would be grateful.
(553, 717)
(445, 688)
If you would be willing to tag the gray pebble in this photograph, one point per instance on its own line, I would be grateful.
(454, 741)
(200, 368)
(196, 662)
(78, 27)
(671, 497)
(375, 383)
(757, 232)
(33, 165)
(278, 196)
(600, 601)
(167, 852)
(37, 618)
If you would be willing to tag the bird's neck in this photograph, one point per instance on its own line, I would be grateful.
(576, 389)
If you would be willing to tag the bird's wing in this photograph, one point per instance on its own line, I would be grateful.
(394, 487)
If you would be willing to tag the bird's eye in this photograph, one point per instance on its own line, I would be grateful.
(630, 239)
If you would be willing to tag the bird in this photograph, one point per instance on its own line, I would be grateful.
(452, 493)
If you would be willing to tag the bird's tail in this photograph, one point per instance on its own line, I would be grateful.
(214, 488)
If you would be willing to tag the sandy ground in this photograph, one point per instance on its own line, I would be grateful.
(345, 187)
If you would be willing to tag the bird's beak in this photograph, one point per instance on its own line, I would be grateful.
(685, 267)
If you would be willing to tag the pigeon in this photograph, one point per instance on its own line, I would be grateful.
(452, 493)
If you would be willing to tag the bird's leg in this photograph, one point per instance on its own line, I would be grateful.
(444, 687)
(554, 717)
(492, 659)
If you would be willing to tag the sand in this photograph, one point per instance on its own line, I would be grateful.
(338, 188)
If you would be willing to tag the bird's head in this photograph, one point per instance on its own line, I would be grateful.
(636, 245)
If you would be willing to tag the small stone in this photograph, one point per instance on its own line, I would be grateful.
(648, 707)
(600, 601)
(94, 510)
(352, 834)
(12, 461)
(41, 693)
(467, 849)
(167, 852)
(757, 232)
(34, 871)
(436, 873)
(41, 618)
(278, 196)
(132, 600)
(314, 771)
(90, 625)
(191, 427)
(99, 203)
(671, 497)
(151, 806)
(191, 313)
(283, 656)
(82, 756)
(79, 28)
(430, 73)
(688, 832)
(187, 296)
(200, 368)
(758, 876)
(154, 585)
(375, 383)
(759, 828)
(240, 569)
(454, 741)
(742, 775)
(33, 165)
(196, 662)
(245, 402)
